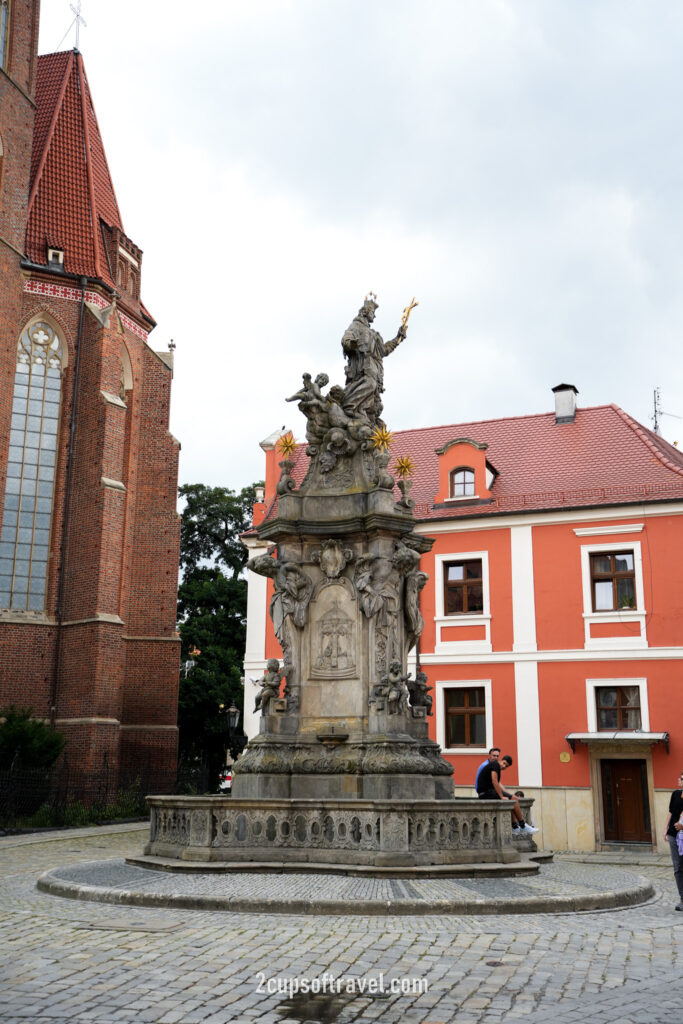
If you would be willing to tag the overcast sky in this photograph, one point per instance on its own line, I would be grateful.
(515, 164)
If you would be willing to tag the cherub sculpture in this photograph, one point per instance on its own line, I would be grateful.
(270, 685)
(394, 687)
(420, 696)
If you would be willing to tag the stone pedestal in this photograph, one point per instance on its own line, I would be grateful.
(343, 770)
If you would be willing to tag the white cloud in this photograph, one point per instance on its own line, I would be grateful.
(514, 164)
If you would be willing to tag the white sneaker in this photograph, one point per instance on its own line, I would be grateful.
(528, 830)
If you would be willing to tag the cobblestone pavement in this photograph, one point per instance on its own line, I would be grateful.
(558, 887)
(68, 961)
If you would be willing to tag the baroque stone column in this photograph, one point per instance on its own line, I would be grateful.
(348, 722)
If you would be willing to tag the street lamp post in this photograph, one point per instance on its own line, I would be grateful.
(237, 741)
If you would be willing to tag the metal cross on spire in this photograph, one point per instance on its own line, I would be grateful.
(77, 21)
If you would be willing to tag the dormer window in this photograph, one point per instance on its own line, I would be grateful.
(462, 483)
(55, 259)
(465, 475)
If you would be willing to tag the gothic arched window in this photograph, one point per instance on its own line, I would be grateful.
(25, 537)
(4, 32)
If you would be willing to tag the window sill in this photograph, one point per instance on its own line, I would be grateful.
(620, 615)
(462, 618)
(478, 751)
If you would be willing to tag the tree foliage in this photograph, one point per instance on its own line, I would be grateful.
(212, 608)
(31, 741)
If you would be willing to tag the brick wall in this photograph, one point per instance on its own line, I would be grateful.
(103, 654)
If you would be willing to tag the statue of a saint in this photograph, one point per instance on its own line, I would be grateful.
(364, 350)
(291, 594)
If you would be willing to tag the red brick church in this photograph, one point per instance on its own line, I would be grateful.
(88, 469)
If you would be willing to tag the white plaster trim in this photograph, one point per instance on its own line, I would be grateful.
(98, 617)
(103, 316)
(255, 544)
(503, 521)
(462, 497)
(483, 618)
(113, 399)
(253, 671)
(127, 256)
(167, 359)
(26, 618)
(462, 684)
(598, 531)
(523, 600)
(592, 716)
(510, 657)
(527, 708)
(87, 721)
(156, 639)
(637, 615)
(150, 728)
(113, 485)
(269, 442)
(257, 611)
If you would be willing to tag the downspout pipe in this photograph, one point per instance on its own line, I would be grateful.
(54, 692)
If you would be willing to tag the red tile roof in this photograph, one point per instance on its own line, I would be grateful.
(71, 189)
(603, 458)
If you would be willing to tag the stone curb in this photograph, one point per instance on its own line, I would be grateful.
(640, 893)
(7, 842)
(493, 869)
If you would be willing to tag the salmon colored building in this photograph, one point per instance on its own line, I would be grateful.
(553, 612)
(89, 534)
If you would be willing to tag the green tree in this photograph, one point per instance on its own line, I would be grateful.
(212, 608)
(33, 742)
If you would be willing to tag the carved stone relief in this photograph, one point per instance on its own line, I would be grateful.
(333, 633)
(332, 558)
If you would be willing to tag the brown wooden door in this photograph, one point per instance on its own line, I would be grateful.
(625, 801)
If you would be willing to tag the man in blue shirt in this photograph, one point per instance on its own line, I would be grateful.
(494, 754)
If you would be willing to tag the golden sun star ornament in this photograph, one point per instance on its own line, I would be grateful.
(286, 445)
(381, 439)
(404, 467)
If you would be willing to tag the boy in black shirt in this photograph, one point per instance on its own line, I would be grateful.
(489, 788)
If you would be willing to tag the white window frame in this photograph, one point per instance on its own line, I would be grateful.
(463, 684)
(593, 684)
(443, 621)
(637, 614)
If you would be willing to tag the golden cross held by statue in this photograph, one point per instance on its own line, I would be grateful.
(407, 312)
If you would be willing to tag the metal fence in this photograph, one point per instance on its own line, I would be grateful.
(64, 795)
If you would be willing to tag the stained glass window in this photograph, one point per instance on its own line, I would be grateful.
(25, 536)
(4, 31)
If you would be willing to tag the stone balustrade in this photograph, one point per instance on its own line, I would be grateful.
(362, 832)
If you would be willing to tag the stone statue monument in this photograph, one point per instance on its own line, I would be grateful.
(343, 770)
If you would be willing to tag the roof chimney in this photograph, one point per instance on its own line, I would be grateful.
(565, 403)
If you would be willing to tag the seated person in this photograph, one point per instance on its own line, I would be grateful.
(489, 788)
(493, 755)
